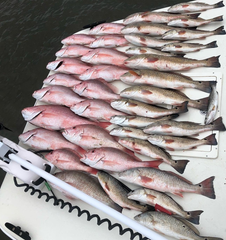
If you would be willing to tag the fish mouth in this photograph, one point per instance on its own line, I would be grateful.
(79, 110)
(30, 116)
(54, 65)
(61, 52)
(29, 137)
(39, 96)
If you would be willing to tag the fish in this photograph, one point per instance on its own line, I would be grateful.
(109, 41)
(188, 7)
(172, 143)
(166, 63)
(106, 28)
(187, 47)
(81, 39)
(170, 226)
(95, 109)
(96, 89)
(114, 160)
(109, 73)
(186, 22)
(72, 51)
(163, 181)
(137, 121)
(87, 184)
(134, 107)
(187, 34)
(53, 117)
(89, 137)
(155, 17)
(68, 66)
(164, 80)
(131, 132)
(145, 148)
(212, 106)
(155, 95)
(183, 128)
(43, 139)
(152, 29)
(61, 79)
(68, 159)
(163, 203)
(147, 41)
(118, 191)
(104, 56)
(57, 95)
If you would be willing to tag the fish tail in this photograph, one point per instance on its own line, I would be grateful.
(205, 86)
(219, 4)
(193, 15)
(154, 164)
(183, 108)
(180, 165)
(201, 104)
(212, 44)
(220, 31)
(194, 216)
(219, 18)
(116, 207)
(206, 188)
(213, 62)
(218, 124)
(211, 139)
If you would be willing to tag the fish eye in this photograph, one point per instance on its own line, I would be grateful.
(188, 213)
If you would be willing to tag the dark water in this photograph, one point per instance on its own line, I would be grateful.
(31, 32)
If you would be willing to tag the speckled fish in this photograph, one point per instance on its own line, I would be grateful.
(167, 182)
(147, 41)
(187, 7)
(186, 22)
(89, 137)
(172, 143)
(147, 149)
(114, 160)
(155, 17)
(183, 128)
(118, 191)
(155, 95)
(212, 106)
(165, 63)
(106, 28)
(187, 47)
(137, 121)
(109, 73)
(134, 107)
(95, 109)
(53, 117)
(58, 95)
(163, 203)
(152, 29)
(72, 51)
(68, 159)
(43, 139)
(87, 184)
(68, 66)
(129, 132)
(109, 41)
(81, 39)
(96, 89)
(171, 226)
(187, 34)
(164, 80)
(105, 56)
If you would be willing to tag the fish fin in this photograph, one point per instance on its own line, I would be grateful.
(211, 139)
(193, 15)
(193, 216)
(170, 149)
(131, 153)
(178, 194)
(162, 209)
(219, 4)
(104, 124)
(155, 164)
(152, 59)
(202, 103)
(184, 107)
(134, 73)
(206, 188)
(213, 62)
(180, 177)
(218, 124)
(145, 179)
(205, 86)
(93, 171)
(212, 44)
(112, 87)
(180, 165)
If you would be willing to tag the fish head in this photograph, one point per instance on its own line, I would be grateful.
(129, 29)
(96, 43)
(92, 157)
(117, 131)
(137, 194)
(118, 119)
(145, 218)
(118, 104)
(24, 137)
(155, 139)
(132, 18)
(39, 94)
(171, 34)
(103, 177)
(134, 61)
(80, 88)
(73, 134)
(87, 74)
(61, 52)
(52, 66)
(131, 175)
(88, 56)
(30, 113)
(80, 107)
(50, 80)
(130, 76)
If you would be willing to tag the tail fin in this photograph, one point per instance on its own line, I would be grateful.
(205, 86)
(211, 139)
(180, 165)
(219, 18)
(220, 31)
(213, 62)
(153, 164)
(201, 104)
(184, 107)
(218, 125)
(219, 4)
(212, 44)
(206, 188)
(193, 216)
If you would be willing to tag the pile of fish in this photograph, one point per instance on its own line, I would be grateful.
(95, 131)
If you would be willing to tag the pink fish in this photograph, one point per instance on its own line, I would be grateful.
(95, 109)
(61, 79)
(109, 41)
(68, 159)
(58, 95)
(105, 56)
(72, 51)
(106, 28)
(53, 117)
(82, 39)
(114, 160)
(107, 72)
(68, 66)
